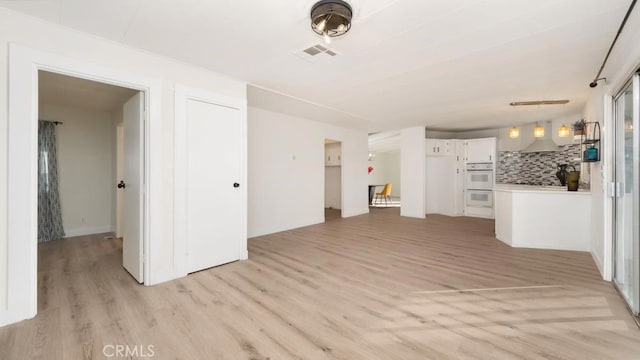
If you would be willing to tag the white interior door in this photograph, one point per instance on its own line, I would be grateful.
(214, 200)
(132, 249)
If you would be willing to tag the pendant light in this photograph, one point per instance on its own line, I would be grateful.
(538, 131)
(564, 131)
(514, 132)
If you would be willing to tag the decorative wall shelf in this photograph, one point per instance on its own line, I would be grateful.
(590, 149)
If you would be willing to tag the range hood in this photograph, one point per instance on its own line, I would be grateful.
(543, 144)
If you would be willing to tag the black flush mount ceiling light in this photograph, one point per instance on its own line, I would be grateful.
(331, 18)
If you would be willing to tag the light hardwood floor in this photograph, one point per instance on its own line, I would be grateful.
(376, 286)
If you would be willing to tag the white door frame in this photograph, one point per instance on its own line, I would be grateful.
(607, 169)
(119, 177)
(606, 175)
(22, 242)
(180, 204)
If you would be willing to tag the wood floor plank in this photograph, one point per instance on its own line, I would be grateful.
(376, 286)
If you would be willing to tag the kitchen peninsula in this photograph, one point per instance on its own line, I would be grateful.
(544, 217)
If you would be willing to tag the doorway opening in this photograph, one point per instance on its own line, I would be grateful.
(384, 170)
(22, 178)
(90, 197)
(332, 179)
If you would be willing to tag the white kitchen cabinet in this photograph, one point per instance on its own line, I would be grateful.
(458, 185)
(333, 154)
(445, 181)
(430, 145)
(480, 150)
(438, 147)
(542, 217)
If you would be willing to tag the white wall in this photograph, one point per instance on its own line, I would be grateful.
(44, 36)
(594, 111)
(624, 60)
(85, 153)
(286, 171)
(386, 169)
(412, 172)
(437, 134)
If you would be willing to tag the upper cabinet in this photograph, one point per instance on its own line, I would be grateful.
(333, 154)
(480, 150)
(438, 147)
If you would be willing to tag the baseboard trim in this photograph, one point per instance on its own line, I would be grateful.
(88, 231)
(598, 262)
(346, 214)
(7, 318)
(538, 246)
(267, 231)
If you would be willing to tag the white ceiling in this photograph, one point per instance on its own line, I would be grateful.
(80, 93)
(447, 64)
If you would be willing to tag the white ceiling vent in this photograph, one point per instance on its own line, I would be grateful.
(316, 52)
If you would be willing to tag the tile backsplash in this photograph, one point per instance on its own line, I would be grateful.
(539, 168)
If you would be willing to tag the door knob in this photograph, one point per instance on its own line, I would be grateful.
(236, 185)
(121, 185)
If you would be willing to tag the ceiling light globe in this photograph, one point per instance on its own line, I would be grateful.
(564, 131)
(331, 17)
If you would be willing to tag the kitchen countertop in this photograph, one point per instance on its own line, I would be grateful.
(539, 189)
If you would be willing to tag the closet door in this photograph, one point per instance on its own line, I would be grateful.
(214, 199)
(132, 192)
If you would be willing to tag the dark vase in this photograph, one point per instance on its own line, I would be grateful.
(561, 174)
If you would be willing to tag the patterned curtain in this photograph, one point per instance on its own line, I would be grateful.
(49, 213)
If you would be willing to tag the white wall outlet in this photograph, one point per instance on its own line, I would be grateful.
(83, 220)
